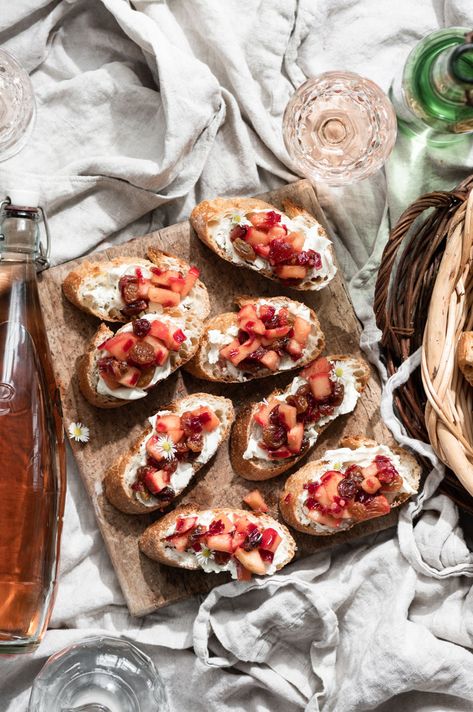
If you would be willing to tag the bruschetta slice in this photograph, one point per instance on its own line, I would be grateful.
(129, 286)
(217, 540)
(290, 247)
(162, 462)
(272, 435)
(359, 481)
(267, 335)
(122, 367)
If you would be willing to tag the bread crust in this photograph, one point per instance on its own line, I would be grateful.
(295, 483)
(199, 366)
(465, 355)
(120, 494)
(151, 542)
(88, 374)
(255, 469)
(73, 282)
(209, 212)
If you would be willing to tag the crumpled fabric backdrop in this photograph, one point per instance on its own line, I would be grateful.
(145, 108)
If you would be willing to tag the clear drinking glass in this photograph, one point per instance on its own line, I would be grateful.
(100, 674)
(339, 128)
(17, 106)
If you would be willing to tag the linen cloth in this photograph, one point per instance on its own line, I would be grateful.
(144, 109)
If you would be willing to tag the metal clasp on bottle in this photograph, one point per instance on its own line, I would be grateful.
(41, 250)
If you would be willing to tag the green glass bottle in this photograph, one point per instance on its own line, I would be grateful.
(434, 92)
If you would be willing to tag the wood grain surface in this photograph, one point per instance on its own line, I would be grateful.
(147, 585)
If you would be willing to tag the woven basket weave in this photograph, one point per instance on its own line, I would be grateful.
(425, 241)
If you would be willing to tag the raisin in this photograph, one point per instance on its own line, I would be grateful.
(167, 493)
(363, 497)
(267, 556)
(274, 418)
(221, 557)
(170, 466)
(134, 308)
(338, 393)
(141, 327)
(119, 368)
(190, 424)
(143, 471)
(279, 345)
(182, 451)
(142, 354)
(129, 287)
(146, 376)
(195, 442)
(257, 355)
(198, 532)
(353, 472)
(269, 313)
(244, 249)
(347, 488)
(300, 403)
(274, 436)
(303, 390)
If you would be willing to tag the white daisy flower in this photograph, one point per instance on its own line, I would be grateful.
(203, 555)
(339, 371)
(238, 217)
(165, 447)
(79, 432)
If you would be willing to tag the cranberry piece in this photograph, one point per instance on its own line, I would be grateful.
(253, 539)
(179, 336)
(272, 218)
(167, 493)
(195, 442)
(105, 364)
(197, 533)
(138, 487)
(216, 527)
(156, 270)
(134, 308)
(280, 251)
(363, 497)
(274, 417)
(308, 258)
(311, 503)
(170, 466)
(238, 232)
(139, 274)
(347, 488)
(386, 470)
(312, 487)
(267, 556)
(269, 313)
(143, 471)
(141, 327)
(256, 355)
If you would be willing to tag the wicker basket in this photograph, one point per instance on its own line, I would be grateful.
(418, 248)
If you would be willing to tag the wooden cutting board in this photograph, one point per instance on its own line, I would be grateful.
(147, 585)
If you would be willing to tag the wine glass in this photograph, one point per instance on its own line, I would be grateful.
(339, 128)
(17, 106)
(99, 674)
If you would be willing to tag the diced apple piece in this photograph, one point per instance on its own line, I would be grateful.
(208, 419)
(166, 278)
(280, 454)
(130, 378)
(288, 415)
(230, 351)
(156, 480)
(328, 488)
(119, 345)
(110, 380)
(220, 542)
(370, 471)
(154, 449)
(371, 485)
(262, 414)
(245, 350)
(164, 423)
(248, 320)
(270, 540)
(165, 297)
(291, 272)
(256, 237)
(324, 519)
(242, 524)
(278, 332)
(160, 330)
(276, 232)
(271, 360)
(251, 560)
(295, 437)
(320, 385)
(294, 348)
(160, 351)
(255, 500)
(143, 287)
(301, 330)
(191, 278)
(185, 524)
(259, 219)
(297, 240)
(320, 365)
(180, 543)
(228, 525)
(238, 539)
(262, 251)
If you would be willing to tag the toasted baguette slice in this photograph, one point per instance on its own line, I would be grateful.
(212, 221)
(122, 474)
(353, 450)
(93, 387)
(465, 355)
(355, 374)
(201, 367)
(93, 286)
(153, 542)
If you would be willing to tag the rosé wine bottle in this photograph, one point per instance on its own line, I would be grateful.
(339, 128)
